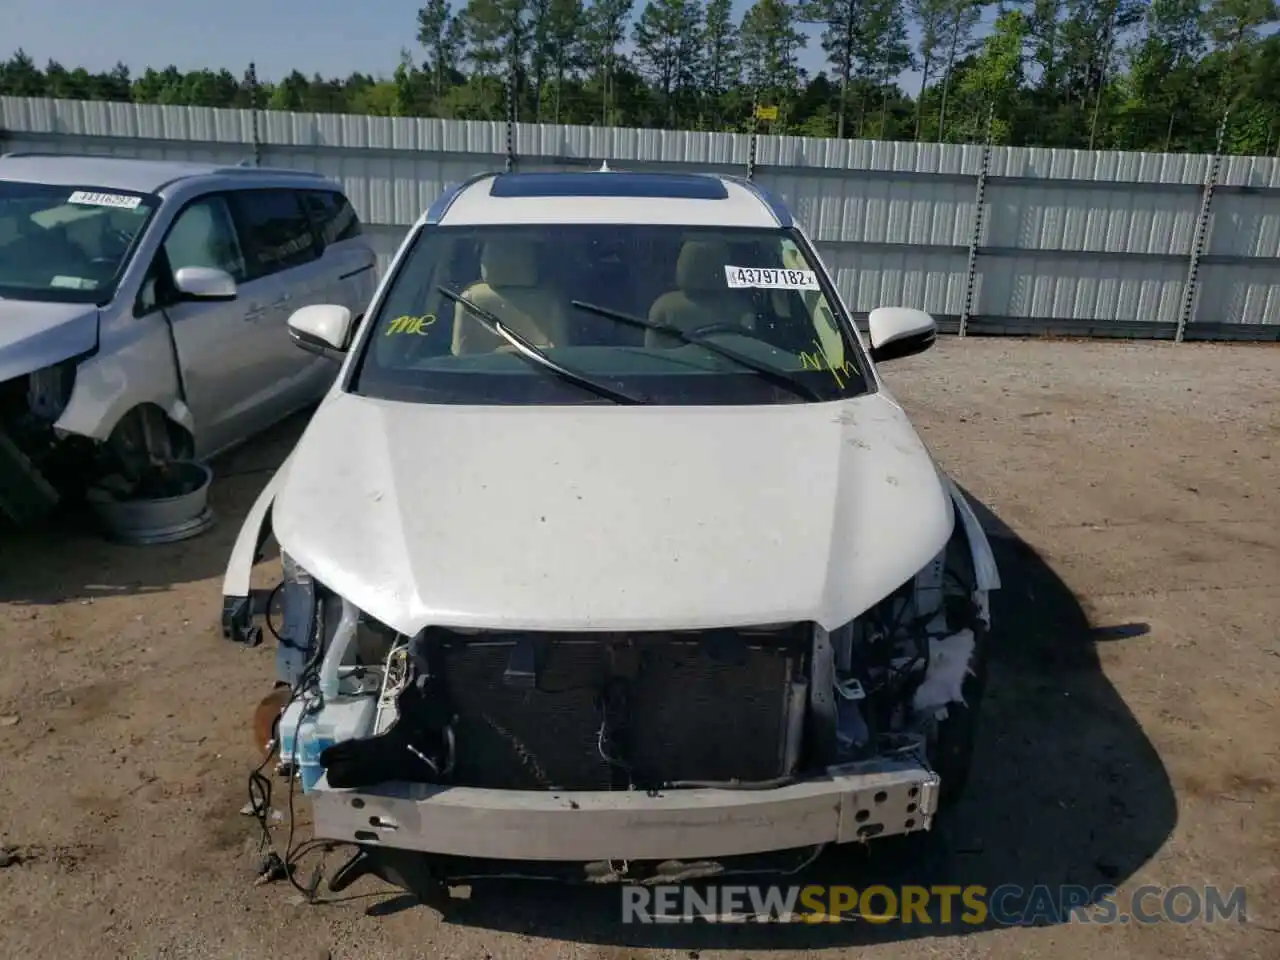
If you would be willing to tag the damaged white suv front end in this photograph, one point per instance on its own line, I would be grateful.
(668, 579)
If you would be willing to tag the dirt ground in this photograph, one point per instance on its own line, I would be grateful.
(1130, 734)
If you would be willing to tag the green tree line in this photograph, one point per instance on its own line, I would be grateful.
(1106, 74)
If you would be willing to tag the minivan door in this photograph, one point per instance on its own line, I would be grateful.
(219, 345)
(284, 255)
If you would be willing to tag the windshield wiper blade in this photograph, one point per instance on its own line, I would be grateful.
(779, 378)
(533, 354)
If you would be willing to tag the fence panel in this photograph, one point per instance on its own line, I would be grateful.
(1070, 241)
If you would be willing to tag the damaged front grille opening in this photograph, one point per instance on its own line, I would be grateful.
(638, 711)
(745, 708)
(876, 711)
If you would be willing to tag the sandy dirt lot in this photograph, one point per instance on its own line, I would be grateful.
(1130, 734)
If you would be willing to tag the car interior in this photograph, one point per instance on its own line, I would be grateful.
(63, 245)
(667, 277)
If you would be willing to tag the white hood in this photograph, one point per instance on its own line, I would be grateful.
(34, 335)
(611, 517)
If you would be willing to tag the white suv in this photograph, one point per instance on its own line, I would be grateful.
(609, 544)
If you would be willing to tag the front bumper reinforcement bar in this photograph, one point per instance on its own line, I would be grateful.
(852, 803)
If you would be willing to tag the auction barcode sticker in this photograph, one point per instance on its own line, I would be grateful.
(122, 201)
(770, 278)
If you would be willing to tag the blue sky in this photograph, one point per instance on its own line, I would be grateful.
(332, 37)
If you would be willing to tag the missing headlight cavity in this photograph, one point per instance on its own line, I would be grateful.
(309, 615)
(883, 682)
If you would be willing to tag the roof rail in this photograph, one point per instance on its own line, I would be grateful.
(244, 167)
(776, 206)
(440, 206)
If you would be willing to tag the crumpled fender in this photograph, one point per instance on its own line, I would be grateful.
(130, 371)
(985, 568)
(237, 604)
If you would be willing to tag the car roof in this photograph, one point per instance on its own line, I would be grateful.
(140, 176)
(608, 196)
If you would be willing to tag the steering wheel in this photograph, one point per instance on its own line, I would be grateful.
(116, 242)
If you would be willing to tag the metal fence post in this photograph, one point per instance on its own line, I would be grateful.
(1192, 286)
(511, 119)
(252, 78)
(755, 133)
(975, 238)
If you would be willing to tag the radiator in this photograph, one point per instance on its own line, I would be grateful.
(679, 707)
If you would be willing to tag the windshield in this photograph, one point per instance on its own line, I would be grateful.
(623, 313)
(64, 243)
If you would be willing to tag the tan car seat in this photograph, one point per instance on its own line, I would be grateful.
(702, 295)
(510, 290)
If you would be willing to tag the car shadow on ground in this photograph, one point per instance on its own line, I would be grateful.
(65, 558)
(1066, 790)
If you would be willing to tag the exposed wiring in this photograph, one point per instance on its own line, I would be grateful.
(611, 695)
(266, 611)
(395, 675)
(602, 737)
(273, 865)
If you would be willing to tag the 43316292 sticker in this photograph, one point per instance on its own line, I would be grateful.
(770, 278)
(121, 201)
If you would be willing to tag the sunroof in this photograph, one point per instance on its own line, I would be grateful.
(671, 186)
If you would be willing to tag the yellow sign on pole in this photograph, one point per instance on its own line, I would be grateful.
(766, 113)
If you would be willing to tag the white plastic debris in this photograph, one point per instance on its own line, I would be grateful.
(944, 677)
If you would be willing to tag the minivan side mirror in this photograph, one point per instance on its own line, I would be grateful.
(204, 283)
(900, 332)
(322, 328)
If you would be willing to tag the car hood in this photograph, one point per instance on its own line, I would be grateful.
(611, 518)
(34, 335)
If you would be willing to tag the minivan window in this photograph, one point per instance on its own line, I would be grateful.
(67, 244)
(202, 235)
(661, 314)
(275, 231)
(332, 214)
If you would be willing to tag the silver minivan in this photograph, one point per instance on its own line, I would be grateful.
(143, 309)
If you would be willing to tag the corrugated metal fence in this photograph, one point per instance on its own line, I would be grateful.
(988, 239)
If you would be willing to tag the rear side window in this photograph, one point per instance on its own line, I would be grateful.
(274, 230)
(334, 217)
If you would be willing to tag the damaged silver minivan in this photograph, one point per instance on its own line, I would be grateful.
(610, 550)
(143, 309)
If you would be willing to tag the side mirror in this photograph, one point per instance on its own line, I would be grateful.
(900, 332)
(322, 328)
(204, 283)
